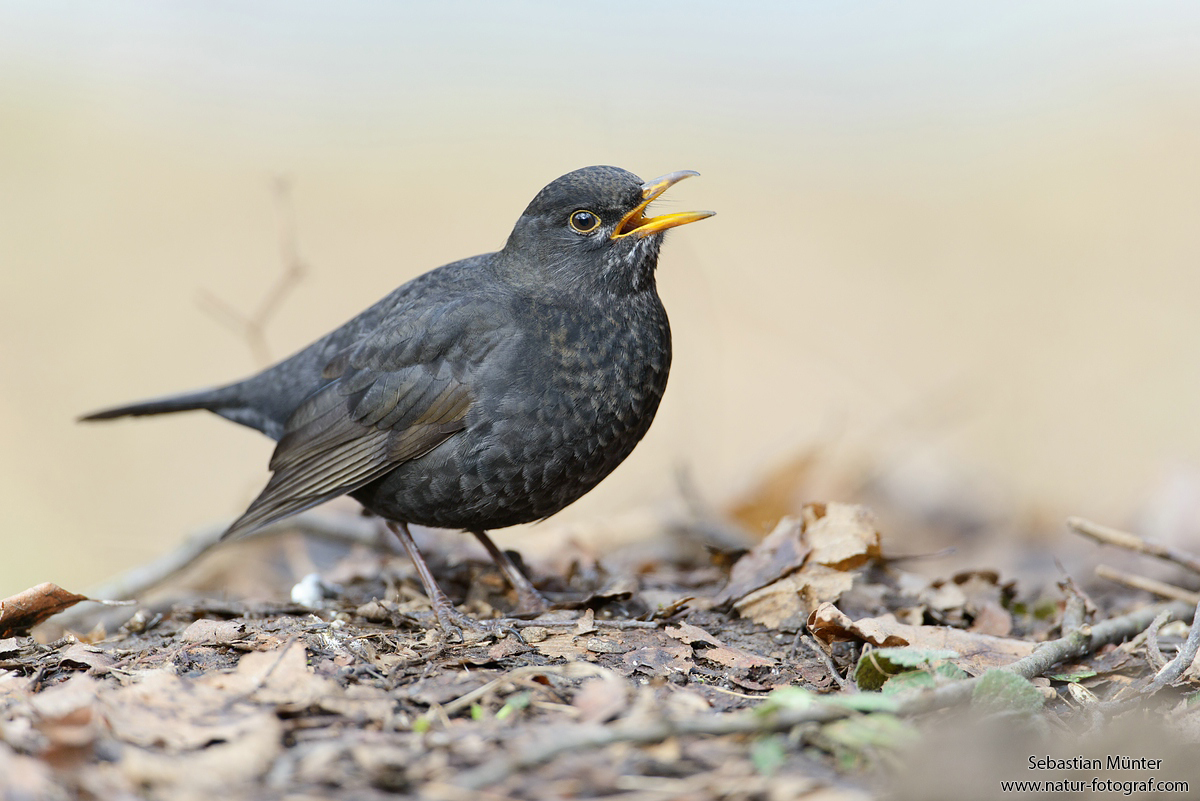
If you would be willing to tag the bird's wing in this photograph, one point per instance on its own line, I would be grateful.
(393, 396)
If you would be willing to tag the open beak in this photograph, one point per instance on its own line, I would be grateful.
(635, 223)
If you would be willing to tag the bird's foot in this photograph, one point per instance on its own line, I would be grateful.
(469, 629)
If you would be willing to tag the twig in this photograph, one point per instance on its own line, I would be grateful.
(138, 580)
(1132, 542)
(1171, 671)
(261, 681)
(569, 670)
(253, 328)
(621, 625)
(1152, 650)
(825, 658)
(1076, 643)
(1079, 607)
(1148, 584)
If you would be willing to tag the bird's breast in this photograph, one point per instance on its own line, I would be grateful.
(583, 392)
(555, 409)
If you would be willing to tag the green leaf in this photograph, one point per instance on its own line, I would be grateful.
(855, 741)
(924, 679)
(863, 702)
(787, 698)
(912, 680)
(768, 754)
(878, 665)
(516, 702)
(1003, 691)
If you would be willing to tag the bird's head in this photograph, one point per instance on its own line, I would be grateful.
(589, 230)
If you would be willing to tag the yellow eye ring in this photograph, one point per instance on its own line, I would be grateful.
(584, 221)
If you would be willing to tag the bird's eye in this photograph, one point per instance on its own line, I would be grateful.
(584, 222)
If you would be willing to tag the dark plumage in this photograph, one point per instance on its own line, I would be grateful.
(492, 391)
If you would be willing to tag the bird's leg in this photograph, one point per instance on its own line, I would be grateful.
(449, 619)
(529, 600)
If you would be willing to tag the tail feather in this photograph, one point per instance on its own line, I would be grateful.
(210, 399)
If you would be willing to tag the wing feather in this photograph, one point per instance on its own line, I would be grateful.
(354, 431)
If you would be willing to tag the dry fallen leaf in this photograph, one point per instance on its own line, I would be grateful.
(974, 597)
(275, 677)
(842, 535)
(793, 596)
(23, 611)
(977, 652)
(781, 552)
(176, 715)
(94, 658)
(602, 699)
(213, 632)
(660, 660)
(722, 654)
(802, 564)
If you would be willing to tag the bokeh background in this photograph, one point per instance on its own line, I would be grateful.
(955, 250)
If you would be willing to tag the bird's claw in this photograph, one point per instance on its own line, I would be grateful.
(469, 629)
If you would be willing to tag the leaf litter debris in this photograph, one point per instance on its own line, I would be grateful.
(810, 666)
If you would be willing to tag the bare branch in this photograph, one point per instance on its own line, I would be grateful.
(1148, 584)
(1132, 542)
(253, 328)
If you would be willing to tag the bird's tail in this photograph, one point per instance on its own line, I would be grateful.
(210, 399)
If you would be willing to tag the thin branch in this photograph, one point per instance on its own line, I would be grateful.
(1171, 671)
(1157, 660)
(253, 328)
(1132, 542)
(1148, 584)
(569, 670)
(138, 580)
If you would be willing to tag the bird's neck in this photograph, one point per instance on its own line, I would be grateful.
(561, 282)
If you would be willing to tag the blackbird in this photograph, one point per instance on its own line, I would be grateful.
(488, 392)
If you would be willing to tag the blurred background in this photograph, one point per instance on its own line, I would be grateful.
(953, 272)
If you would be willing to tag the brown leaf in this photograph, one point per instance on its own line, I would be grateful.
(59, 701)
(977, 652)
(803, 563)
(27, 777)
(168, 712)
(360, 703)
(89, 657)
(841, 535)
(502, 649)
(991, 618)
(213, 632)
(23, 611)
(229, 761)
(780, 553)
(660, 660)
(280, 677)
(560, 645)
(688, 633)
(794, 596)
(602, 699)
(722, 654)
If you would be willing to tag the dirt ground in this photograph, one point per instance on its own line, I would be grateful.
(805, 665)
